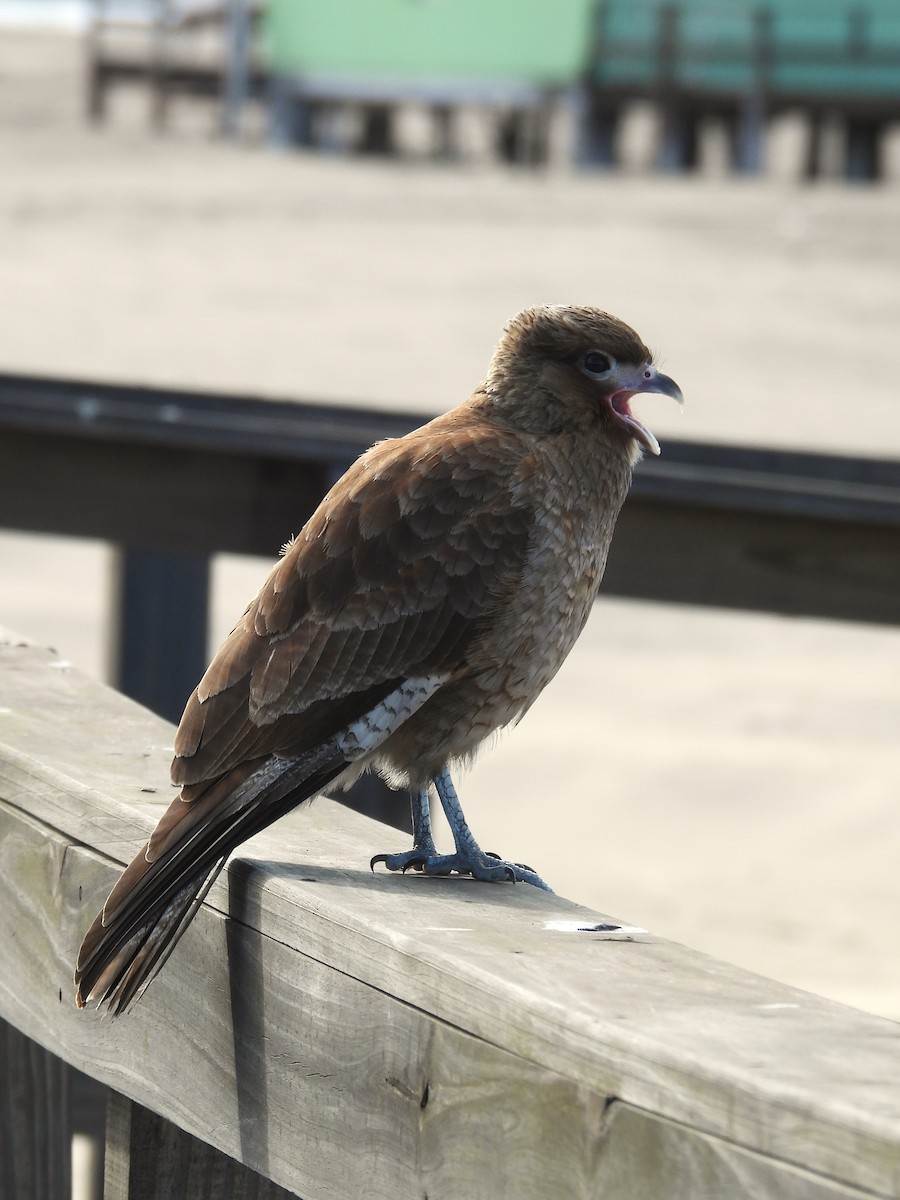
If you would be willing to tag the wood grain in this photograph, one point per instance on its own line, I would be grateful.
(343, 1033)
(647, 1157)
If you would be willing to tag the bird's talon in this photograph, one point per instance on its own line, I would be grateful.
(511, 867)
(409, 860)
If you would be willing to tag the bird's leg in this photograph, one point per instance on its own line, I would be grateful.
(423, 839)
(469, 858)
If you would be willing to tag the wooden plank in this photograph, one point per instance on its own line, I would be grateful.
(317, 1014)
(35, 1131)
(730, 526)
(687, 553)
(149, 1158)
(204, 421)
(646, 1157)
(747, 560)
(328, 1086)
(189, 503)
(723, 477)
(339, 1090)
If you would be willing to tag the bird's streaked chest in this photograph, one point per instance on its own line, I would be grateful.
(576, 500)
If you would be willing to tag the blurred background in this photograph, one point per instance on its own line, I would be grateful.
(343, 204)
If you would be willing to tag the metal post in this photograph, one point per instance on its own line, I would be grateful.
(236, 75)
(96, 89)
(678, 147)
(159, 66)
(752, 121)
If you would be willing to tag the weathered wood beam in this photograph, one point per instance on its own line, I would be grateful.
(343, 1033)
(187, 502)
(190, 473)
(35, 1129)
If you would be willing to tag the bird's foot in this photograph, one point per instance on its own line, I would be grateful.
(489, 868)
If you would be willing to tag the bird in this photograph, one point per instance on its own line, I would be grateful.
(425, 604)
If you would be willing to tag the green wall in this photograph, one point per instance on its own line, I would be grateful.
(536, 41)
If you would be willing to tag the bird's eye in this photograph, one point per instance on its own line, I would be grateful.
(597, 363)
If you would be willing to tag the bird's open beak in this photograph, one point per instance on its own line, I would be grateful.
(645, 379)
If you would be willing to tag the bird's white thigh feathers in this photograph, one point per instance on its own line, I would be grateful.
(377, 725)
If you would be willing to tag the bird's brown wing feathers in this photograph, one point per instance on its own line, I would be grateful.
(401, 566)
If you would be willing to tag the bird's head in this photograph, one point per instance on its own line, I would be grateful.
(568, 368)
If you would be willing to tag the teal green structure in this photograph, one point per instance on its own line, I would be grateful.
(735, 61)
(801, 47)
(811, 46)
(744, 63)
(543, 42)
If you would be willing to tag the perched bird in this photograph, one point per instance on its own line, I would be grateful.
(426, 603)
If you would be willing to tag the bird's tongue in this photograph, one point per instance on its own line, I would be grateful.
(622, 408)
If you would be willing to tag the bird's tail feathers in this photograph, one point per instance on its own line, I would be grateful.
(117, 971)
(159, 893)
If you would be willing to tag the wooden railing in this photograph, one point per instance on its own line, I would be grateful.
(335, 1033)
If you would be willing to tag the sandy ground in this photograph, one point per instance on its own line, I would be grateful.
(727, 780)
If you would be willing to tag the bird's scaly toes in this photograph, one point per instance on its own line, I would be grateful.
(489, 868)
(492, 864)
